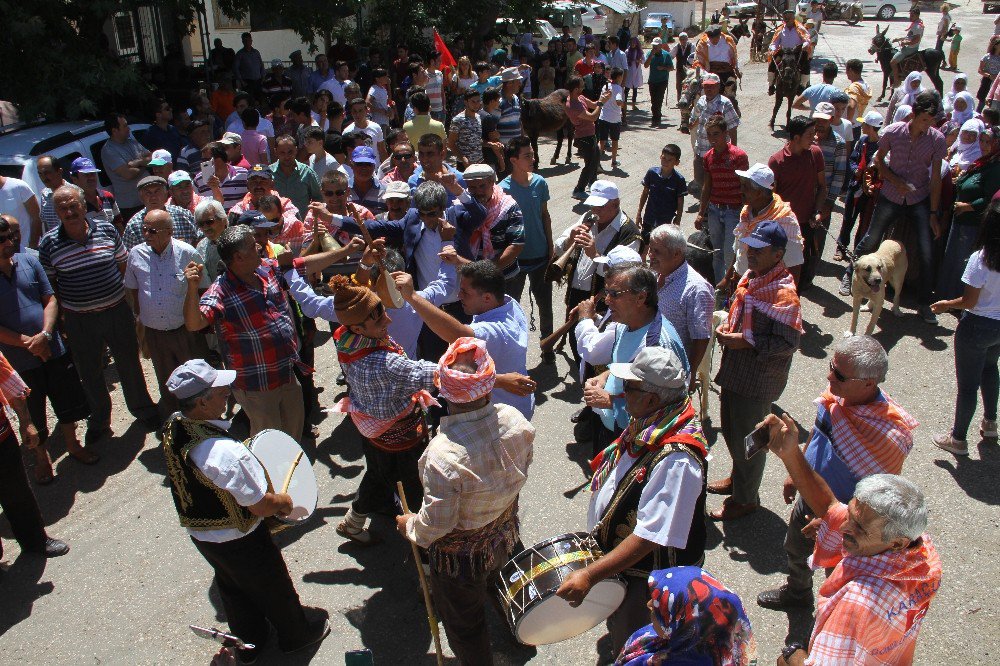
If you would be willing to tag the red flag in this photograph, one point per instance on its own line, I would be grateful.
(447, 59)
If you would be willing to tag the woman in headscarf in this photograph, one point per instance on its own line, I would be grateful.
(973, 191)
(965, 150)
(903, 113)
(635, 57)
(963, 109)
(906, 93)
(696, 621)
(958, 84)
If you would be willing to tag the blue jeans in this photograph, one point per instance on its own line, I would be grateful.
(977, 350)
(886, 215)
(721, 224)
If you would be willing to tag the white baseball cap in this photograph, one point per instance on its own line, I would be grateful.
(824, 111)
(656, 41)
(601, 192)
(760, 174)
(196, 375)
(397, 189)
(161, 157)
(658, 366)
(872, 119)
(620, 254)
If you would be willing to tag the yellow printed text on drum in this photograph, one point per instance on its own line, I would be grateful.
(527, 590)
(285, 462)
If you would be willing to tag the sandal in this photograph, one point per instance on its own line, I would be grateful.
(359, 535)
(84, 455)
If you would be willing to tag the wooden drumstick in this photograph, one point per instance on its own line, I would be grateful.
(291, 470)
(431, 617)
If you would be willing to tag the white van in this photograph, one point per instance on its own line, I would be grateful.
(542, 32)
(882, 10)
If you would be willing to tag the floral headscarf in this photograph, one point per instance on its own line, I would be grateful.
(699, 622)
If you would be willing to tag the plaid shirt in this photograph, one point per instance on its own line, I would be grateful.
(687, 301)
(184, 227)
(255, 327)
(382, 383)
(703, 110)
(873, 438)
(870, 609)
(835, 164)
(472, 471)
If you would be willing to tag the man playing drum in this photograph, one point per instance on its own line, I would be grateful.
(792, 34)
(221, 494)
(648, 501)
(472, 472)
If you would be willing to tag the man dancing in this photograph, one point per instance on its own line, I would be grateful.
(472, 472)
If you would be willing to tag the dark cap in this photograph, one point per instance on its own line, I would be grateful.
(256, 220)
(766, 234)
(260, 171)
(151, 180)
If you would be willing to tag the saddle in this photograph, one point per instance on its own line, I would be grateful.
(912, 63)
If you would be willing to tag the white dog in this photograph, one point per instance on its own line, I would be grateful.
(887, 265)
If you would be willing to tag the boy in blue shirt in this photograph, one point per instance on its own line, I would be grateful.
(663, 190)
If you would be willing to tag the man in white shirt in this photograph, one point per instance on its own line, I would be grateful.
(18, 201)
(154, 284)
(220, 491)
(648, 485)
(336, 85)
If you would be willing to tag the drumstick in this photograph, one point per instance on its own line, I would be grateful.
(291, 470)
(431, 618)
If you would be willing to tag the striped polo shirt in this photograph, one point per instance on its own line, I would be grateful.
(510, 119)
(722, 168)
(85, 274)
(234, 186)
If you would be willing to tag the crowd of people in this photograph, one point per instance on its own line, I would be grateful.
(401, 204)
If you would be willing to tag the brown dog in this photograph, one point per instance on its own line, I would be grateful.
(886, 265)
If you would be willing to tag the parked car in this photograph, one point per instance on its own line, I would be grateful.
(20, 147)
(658, 24)
(509, 32)
(561, 14)
(595, 18)
(738, 10)
(882, 10)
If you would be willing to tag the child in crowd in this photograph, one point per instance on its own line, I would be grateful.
(956, 46)
(381, 108)
(663, 189)
(254, 143)
(609, 123)
(546, 77)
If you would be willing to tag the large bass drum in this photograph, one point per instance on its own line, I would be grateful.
(527, 590)
(280, 456)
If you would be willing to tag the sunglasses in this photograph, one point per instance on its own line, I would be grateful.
(615, 293)
(150, 231)
(840, 377)
(403, 156)
(633, 388)
(203, 224)
(334, 193)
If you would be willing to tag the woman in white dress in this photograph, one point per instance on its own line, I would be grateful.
(633, 76)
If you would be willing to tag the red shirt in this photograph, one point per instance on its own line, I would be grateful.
(722, 168)
(583, 68)
(795, 179)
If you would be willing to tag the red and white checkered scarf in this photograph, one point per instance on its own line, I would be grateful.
(499, 205)
(873, 438)
(461, 387)
(773, 294)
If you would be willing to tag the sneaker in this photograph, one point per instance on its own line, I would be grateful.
(770, 89)
(615, 164)
(845, 284)
(781, 598)
(925, 313)
(52, 548)
(988, 429)
(948, 443)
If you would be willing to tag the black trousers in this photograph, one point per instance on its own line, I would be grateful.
(657, 91)
(17, 500)
(382, 470)
(256, 589)
(541, 291)
(461, 602)
(602, 437)
(591, 162)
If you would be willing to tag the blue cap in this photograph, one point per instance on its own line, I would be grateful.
(364, 154)
(766, 234)
(256, 220)
(83, 165)
(260, 171)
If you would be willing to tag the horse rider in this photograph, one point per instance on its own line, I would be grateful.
(792, 34)
(909, 44)
(716, 52)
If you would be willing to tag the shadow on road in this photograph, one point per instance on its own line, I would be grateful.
(20, 587)
(976, 477)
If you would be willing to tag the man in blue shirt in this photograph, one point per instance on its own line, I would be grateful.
(28, 316)
(820, 92)
(663, 190)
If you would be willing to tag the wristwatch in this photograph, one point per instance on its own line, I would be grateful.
(788, 651)
(48, 336)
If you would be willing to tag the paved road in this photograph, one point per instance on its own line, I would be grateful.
(133, 580)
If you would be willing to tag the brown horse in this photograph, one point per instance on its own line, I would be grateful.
(786, 84)
(548, 116)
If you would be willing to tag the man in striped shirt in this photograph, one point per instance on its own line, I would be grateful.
(859, 431)
(228, 185)
(85, 262)
(154, 195)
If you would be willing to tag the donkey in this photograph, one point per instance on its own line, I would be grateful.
(547, 116)
(787, 82)
(927, 60)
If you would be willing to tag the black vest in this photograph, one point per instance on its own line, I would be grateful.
(200, 504)
(619, 519)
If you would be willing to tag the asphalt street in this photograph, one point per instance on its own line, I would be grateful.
(133, 581)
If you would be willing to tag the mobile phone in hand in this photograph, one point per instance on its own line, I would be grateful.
(756, 441)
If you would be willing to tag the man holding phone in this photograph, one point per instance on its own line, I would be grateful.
(859, 431)
(758, 341)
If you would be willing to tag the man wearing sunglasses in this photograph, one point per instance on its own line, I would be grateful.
(260, 182)
(758, 342)
(403, 161)
(859, 431)
(155, 287)
(153, 194)
(212, 221)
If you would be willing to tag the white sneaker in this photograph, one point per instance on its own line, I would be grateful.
(988, 429)
(948, 443)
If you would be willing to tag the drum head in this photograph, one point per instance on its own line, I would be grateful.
(554, 620)
(276, 451)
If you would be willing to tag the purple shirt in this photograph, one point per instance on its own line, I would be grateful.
(911, 159)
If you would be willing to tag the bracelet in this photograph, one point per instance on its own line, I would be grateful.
(365, 267)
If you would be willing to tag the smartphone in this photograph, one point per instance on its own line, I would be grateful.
(359, 658)
(757, 441)
(207, 171)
